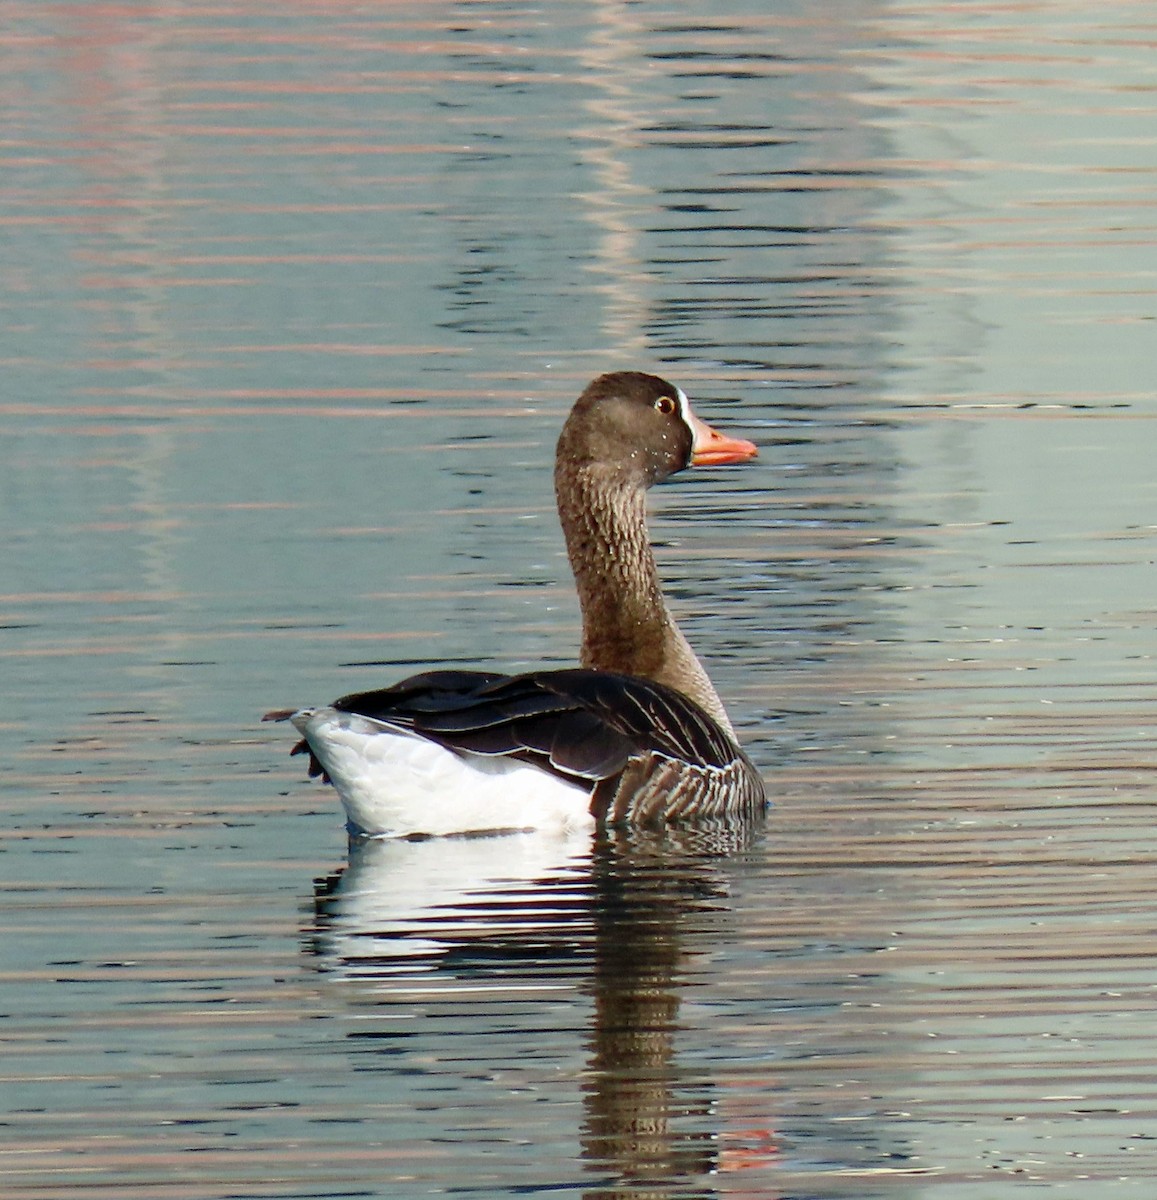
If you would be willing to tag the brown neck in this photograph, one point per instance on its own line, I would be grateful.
(626, 624)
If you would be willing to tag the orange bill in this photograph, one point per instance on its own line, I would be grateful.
(712, 448)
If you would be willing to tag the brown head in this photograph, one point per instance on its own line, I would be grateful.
(640, 428)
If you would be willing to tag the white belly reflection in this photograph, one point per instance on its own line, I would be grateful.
(403, 907)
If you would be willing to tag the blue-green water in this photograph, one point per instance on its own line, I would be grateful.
(294, 301)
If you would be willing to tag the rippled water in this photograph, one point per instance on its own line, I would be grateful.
(295, 299)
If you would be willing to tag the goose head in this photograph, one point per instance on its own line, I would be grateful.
(638, 429)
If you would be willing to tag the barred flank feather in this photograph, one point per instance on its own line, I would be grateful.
(656, 790)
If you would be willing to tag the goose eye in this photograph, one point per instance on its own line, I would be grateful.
(666, 405)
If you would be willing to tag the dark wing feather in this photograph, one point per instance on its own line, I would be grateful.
(586, 722)
(654, 717)
(619, 733)
(513, 715)
(587, 746)
(429, 692)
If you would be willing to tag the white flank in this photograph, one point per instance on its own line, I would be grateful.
(394, 783)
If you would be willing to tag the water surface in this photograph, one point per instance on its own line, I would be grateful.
(295, 300)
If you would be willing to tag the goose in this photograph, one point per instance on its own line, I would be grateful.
(634, 736)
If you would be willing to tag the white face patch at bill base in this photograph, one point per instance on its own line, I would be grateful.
(685, 409)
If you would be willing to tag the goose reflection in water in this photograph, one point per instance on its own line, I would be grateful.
(605, 917)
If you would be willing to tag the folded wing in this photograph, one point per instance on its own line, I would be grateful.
(633, 741)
